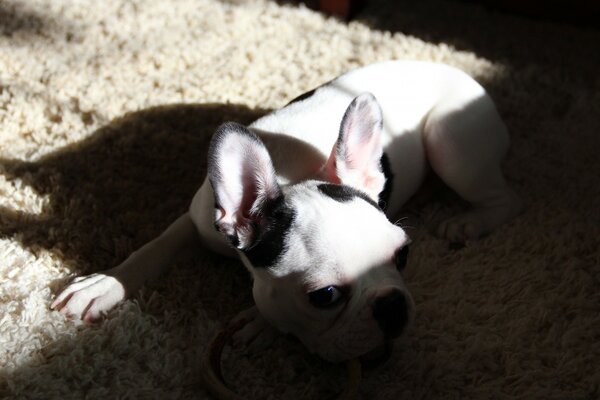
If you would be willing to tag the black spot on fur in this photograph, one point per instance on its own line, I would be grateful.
(384, 196)
(271, 236)
(343, 193)
(303, 96)
(306, 95)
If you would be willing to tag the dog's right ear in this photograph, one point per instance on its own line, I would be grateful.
(355, 159)
(243, 179)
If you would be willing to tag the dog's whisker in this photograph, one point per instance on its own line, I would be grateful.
(398, 222)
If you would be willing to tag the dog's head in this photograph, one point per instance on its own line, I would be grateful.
(325, 259)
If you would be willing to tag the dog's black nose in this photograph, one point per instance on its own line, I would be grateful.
(391, 313)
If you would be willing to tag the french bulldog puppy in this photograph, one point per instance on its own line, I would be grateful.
(305, 197)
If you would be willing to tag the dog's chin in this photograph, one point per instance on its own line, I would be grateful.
(377, 356)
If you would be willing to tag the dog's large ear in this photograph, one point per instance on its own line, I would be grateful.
(241, 173)
(355, 159)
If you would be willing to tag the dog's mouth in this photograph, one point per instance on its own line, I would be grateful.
(377, 356)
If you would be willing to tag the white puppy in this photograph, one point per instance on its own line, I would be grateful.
(305, 194)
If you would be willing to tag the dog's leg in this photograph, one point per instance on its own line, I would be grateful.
(90, 296)
(465, 147)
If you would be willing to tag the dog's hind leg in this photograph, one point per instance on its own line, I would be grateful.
(465, 142)
(89, 296)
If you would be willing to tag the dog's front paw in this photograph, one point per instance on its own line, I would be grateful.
(88, 297)
(460, 228)
(257, 334)
(482, 219)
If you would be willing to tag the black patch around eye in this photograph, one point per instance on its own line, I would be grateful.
(271, 238)
(401, 258)
(343, 193)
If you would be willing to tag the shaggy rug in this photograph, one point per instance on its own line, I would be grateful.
(106, 109)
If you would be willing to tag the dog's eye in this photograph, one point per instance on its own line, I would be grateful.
(401, 257)
(326, 297)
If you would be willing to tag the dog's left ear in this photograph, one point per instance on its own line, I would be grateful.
(355, 159)
(242, 176)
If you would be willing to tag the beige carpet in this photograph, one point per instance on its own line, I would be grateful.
(105, 113)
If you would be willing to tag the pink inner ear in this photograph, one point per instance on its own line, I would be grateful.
(329, 173)
(361, 158)
(245, 178)
(249, 195)
(355, 158)
(361, 155)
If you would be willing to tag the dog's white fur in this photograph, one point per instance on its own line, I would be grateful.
(434, 116)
